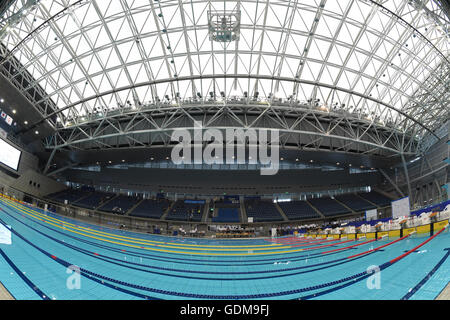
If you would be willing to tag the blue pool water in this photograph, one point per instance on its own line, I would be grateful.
(116, 264)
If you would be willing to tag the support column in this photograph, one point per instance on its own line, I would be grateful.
(405, 168)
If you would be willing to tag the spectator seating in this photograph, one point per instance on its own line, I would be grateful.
(71, 195)
(298, 210)
(120, 204)
(186, 211)
(227, 215)
(329, 207)
(262, 211)
(94, 200)
(355, 203)
(151, 208)
(376, 198)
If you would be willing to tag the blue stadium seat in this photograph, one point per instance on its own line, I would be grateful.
(376, 198)
(329, 207)
(298, 210)
(182, 211)
(227, 215)
(120, 204)
(355, 203)
(262, 211)
(151, 208)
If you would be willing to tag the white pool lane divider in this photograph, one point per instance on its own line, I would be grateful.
(5, 234)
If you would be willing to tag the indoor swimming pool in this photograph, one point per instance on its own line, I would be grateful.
(53, 257)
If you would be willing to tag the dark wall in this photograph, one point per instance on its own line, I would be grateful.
(219, 182)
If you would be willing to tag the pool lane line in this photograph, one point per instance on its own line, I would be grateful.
(55, 258)
(364, 275)
(247, 247)
(295, 291)
(28, 282)
(178, 246)
(174, 251)
(417, 247)
(25, 279)
(427, 277)
(105, 258)
(349, 247)
(91, 274)
(149, 248)
(32, 211)
(137, 254)
(144, 242)
(378, 248)
(96, 255)
(200, 296)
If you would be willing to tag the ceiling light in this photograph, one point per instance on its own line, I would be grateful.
(36, 132)
(25, 122)
(14, 111)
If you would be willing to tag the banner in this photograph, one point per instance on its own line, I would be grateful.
(371, 214)
(400, 208)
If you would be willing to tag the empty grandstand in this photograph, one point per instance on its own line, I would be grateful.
(298, 210)
(150, 209)
(262, 211)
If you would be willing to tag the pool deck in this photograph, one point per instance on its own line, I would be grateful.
(4, 294)
(445, 294)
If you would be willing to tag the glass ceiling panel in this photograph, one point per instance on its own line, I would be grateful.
(97, 55)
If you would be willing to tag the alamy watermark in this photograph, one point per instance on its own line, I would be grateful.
(374, 281)
(234, 144)
(73, 281)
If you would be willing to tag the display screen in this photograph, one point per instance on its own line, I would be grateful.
(9, 156)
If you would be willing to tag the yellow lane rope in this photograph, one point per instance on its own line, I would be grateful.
(76, 230)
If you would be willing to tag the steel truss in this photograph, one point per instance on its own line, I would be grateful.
(395, 75)
(304, 128)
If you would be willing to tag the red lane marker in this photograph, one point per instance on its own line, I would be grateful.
(378, 248)
(53, 257)
(327, 245)
(300, 239)
(96, 253)
(417, 247)
(355, 245)
(309, 244)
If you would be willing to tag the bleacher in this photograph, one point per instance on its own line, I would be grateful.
(151, 209)
(94, 200)
(298, 210)
(120, 204)
(329, 207)
(71, 195)
(262, 211)
(376, 198)
(186, 211)
(227, 215)
(355, 203)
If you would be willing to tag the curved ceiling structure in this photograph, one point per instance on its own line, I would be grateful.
(383, 61)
